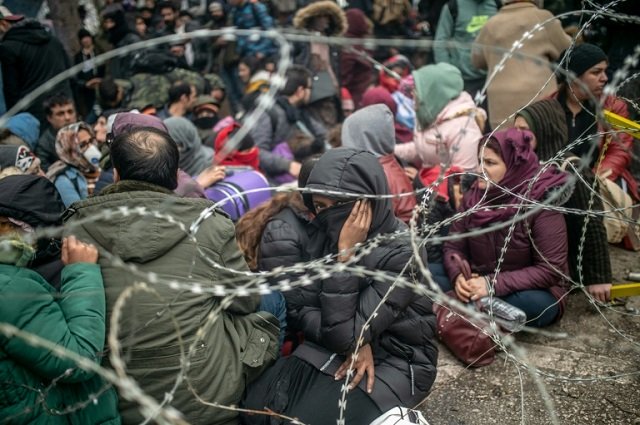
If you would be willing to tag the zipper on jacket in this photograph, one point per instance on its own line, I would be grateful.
(413, 380)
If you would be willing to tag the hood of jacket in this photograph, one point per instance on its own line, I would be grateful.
(194, 156)
(358, 25)
(29, 31)
(357, 173)
(135, 237)
(32, 199)
(337, 18)
(461, 105)
(370, 129)
(436, 86)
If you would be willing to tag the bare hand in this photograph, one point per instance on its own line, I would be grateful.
(294, 168)
(211, 175)
(462, 288)
(363, 363)
(601, 292)
(478, 288)
(74, 251)
(355, 228)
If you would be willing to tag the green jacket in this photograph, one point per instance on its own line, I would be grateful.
(73, 319)
(472, 15)
(156, 326)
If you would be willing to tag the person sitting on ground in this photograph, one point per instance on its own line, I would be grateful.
(535, 253)
(21, 129)
(398, 352)
(278, 124)
(546, 120)
(371, 129)
(36, 202)
(443, 110)
(232, 350)
(589, 63)
(21, 158)
(255, 79)
(194, 156)
(245, 154)
(76, 173)
(73, 320)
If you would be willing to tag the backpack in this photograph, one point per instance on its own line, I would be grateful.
(453, 9)
(229, 192)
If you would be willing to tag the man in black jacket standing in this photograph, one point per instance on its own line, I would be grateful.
(30, 55)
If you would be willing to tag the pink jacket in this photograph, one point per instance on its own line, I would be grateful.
(447, 133)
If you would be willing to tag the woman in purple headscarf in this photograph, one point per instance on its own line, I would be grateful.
(534, 255)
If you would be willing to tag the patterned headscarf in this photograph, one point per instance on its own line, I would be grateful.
(68, 150)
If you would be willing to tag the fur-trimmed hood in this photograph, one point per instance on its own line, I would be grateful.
(338, 25)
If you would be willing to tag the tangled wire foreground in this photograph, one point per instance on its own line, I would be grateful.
(518, 366)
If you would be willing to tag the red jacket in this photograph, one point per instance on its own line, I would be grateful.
(617, 157)
(398, 183)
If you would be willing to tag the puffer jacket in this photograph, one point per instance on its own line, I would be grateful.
(74, 319)
(402, 334)
(237, 347)
(529, 260)
(289, 238)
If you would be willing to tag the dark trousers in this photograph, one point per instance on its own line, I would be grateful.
(540, 306)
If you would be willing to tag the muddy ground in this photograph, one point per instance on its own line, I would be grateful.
(591, 376)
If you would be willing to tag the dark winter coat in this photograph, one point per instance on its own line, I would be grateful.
(402, 333)
(30, 56)
(233, 351)
(74, 320)
(290, 238)
(35, 201)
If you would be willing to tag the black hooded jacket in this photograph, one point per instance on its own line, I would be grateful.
(402, 335)
(31, 56)
(36, 201)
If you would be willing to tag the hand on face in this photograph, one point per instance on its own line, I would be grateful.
(355, 229)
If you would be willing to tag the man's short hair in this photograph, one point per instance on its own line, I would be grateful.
(297, 76)
(56, 99)
(108, 91)
(178, 90)
(146, 154)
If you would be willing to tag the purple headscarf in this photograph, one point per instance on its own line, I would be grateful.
(522, 167)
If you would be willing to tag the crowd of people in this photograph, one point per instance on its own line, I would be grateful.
(112, 219)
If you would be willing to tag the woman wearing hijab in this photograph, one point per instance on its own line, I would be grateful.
(398, 352)
(448, 122)
(194, 156)
(546, 120)
(76, 172)
(535, 253)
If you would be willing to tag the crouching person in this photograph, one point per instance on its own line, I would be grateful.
(37, 386)
(148, 229)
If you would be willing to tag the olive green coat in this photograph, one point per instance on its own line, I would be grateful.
(158, 325)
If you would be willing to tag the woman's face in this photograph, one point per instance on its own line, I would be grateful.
(84, 140)
(100, 128)
(493, 166)
(244, 72)
(321, 202)
(522, 124)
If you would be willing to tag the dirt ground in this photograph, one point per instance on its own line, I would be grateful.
(591, 374)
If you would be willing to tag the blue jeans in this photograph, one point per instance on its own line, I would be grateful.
(275, 304)
(540, 306)
(439, 274)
